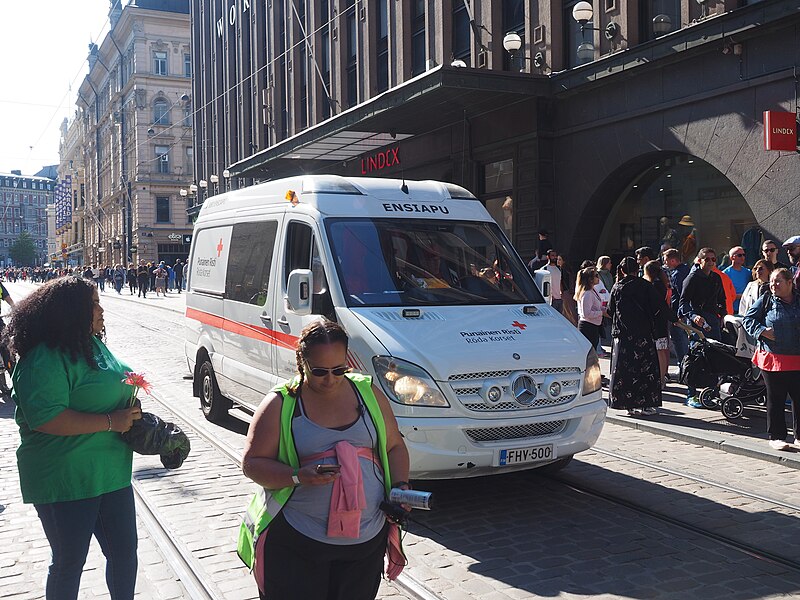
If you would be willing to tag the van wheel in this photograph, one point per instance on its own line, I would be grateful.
(554, 467)
(214, 405)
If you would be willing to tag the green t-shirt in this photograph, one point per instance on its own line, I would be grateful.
(60, 468)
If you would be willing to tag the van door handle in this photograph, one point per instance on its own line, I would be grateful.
(283, 321)
(265, 318)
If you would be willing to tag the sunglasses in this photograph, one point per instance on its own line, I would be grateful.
(710, 258)
(737, 255)
(770, 250)
(322, 372)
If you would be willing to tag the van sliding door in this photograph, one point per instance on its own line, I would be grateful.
(249, 296)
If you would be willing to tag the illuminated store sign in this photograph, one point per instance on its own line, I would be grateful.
(380, 160)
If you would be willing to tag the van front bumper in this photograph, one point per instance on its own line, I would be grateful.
(447, 448)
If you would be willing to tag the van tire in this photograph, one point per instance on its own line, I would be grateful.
(214, 405)
(553, 467)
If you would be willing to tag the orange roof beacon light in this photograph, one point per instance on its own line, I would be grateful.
(292, 197)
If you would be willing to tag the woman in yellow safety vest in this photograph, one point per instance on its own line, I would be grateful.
(326, 450)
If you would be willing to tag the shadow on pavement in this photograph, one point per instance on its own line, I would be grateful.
(7, 407)
(535, 534)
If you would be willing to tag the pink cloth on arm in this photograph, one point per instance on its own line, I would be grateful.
(347, 497)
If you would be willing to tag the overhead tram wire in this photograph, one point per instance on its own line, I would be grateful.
(235, 86)
(74, 79)
(277, 57)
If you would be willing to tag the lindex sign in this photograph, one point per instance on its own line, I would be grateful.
(780, 131)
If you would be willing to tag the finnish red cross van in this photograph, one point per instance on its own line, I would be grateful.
(483, 374)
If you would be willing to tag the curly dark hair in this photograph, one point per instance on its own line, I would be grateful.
(58, 314)
(315, 334)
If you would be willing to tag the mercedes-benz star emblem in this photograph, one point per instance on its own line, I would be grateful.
(523, 388)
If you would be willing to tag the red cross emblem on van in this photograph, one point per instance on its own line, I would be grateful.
(519, 325)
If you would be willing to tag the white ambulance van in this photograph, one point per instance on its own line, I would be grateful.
(483, 374)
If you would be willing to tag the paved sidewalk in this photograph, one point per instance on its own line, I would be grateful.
(746, 436)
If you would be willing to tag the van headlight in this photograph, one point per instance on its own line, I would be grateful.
(592, 379)
(406, 383)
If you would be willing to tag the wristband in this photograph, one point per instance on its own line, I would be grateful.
(295, 478)
(397, 484)
(108, 416)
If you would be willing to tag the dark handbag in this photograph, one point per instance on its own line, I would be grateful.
(152, 435)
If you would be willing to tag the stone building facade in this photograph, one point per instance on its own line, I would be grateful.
(24, 200)
(135, 111)
(642, 125)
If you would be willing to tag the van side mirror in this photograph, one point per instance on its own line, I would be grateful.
(542, 280)
(298, 291)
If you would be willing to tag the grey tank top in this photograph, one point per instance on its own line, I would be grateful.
(307, 509)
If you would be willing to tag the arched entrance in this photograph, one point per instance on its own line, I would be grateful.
(678, 200)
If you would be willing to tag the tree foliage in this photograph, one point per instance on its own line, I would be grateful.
(23, 251)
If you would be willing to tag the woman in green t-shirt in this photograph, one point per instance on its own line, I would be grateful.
(71, 406)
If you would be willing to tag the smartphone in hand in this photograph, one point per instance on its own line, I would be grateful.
(328, 469)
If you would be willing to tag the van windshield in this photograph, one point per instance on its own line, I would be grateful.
(389, 262)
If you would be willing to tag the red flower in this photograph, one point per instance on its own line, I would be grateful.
(137, 381)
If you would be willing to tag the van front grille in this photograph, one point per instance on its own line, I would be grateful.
(540, 402)
(495, 374)
(515, 432)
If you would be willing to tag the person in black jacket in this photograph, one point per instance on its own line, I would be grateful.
(677, 272)
(703, 303)
(143, 279)
(637, 312)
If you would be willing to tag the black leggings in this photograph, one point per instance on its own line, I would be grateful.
(590, 331)
(779, 384)
(299, 568)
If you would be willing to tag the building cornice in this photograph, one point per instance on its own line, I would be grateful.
(700, 37)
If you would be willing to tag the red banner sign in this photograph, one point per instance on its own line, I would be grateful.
(780, 130)
(380, 160)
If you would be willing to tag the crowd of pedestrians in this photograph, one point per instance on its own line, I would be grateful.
(657, 304)
(140, 278)
(158, 277)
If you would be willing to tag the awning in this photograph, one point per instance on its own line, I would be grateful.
(438, 98)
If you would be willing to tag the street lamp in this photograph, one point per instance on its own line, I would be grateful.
(203, 186)
(662, 24)
(583, 13)
(215, 180)
(512, 42)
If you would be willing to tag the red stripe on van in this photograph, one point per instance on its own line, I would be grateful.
(261, 334)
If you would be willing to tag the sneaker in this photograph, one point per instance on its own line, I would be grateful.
(693, 402)
(778, 445)
(632, 412)
(649, 412)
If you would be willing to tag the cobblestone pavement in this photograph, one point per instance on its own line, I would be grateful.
(24, 553)
(202, 502)
(507, 537)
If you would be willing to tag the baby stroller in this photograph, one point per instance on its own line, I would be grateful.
(725, 371)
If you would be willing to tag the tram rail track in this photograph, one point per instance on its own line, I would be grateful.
(698, 479)
(728, 541)
(418, 591)
(177, 556)
(180, 557)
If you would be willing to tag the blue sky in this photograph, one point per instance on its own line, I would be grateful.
(43, 53)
